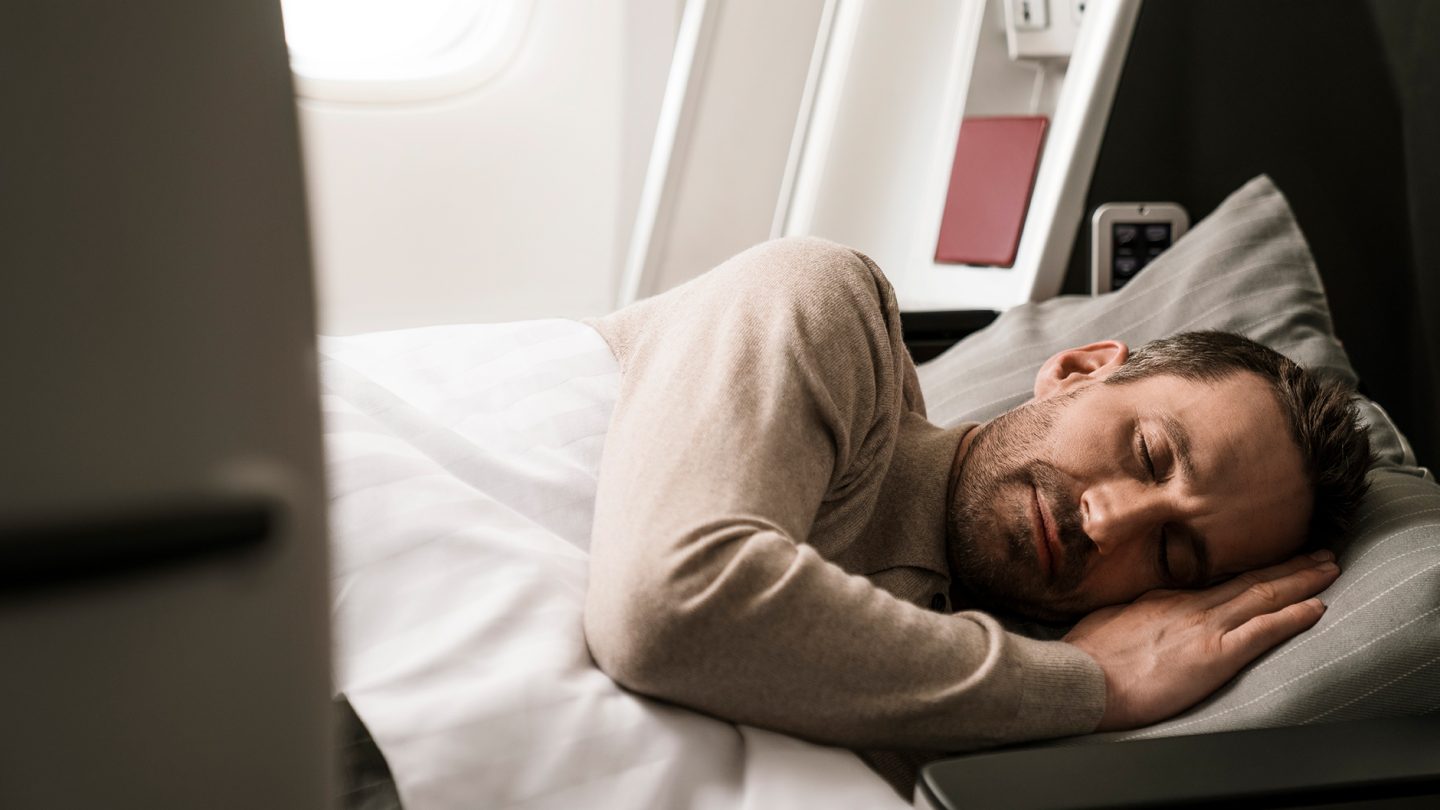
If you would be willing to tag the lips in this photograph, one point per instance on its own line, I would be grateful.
(1047, 542)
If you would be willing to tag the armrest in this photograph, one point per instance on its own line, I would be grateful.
(927, 334)
(1391, 762)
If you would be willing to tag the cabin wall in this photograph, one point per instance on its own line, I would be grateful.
(512, 200)
(517, 199)
(1409, 32)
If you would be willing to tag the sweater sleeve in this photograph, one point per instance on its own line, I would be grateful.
(749, 397)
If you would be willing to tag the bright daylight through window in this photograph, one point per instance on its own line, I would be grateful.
(399, 50)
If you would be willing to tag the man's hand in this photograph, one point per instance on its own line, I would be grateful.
(1168, 650)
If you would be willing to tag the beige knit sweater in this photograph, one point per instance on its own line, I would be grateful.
(769, 538)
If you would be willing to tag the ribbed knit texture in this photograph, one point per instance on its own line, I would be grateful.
(769, 535)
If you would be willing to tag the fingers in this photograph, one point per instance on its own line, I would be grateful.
(1246, 642)
(1229, 590)
(1271, 595)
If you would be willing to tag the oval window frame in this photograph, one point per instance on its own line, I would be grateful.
(487, 46)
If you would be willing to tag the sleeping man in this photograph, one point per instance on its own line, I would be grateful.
(782, 539)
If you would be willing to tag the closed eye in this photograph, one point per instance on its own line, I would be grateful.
(1167, 576)
(1145, 457)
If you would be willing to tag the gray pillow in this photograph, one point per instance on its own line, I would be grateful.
(1246, 269)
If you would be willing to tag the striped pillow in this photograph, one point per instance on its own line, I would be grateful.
(1246, 268)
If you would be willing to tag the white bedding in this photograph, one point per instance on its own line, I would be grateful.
(462, 464)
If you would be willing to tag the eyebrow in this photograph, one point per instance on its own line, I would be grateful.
(1179, 437)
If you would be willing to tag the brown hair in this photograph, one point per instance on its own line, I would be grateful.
(1324, 421)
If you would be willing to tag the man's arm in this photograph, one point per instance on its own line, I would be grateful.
(1168, 650)
(758, 389)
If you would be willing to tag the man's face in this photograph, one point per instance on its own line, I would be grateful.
(1094, 494)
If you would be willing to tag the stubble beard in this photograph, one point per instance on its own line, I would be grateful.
(991, 548)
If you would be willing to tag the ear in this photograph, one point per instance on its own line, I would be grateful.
(1074, 367)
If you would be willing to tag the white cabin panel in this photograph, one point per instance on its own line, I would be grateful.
(513, 199)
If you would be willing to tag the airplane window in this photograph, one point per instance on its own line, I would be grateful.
(393, 50)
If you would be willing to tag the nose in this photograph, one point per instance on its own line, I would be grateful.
(1118, 512)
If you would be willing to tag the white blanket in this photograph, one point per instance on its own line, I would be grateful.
(462, 464)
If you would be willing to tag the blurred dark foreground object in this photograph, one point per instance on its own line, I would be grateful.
(1389, 763)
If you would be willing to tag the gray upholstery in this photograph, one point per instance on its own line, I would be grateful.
(1246, 268)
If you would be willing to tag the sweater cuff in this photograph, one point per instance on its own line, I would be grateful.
(1062, 690)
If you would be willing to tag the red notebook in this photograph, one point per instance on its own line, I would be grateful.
(990, 183)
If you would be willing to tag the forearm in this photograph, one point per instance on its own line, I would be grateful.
(757, 629)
